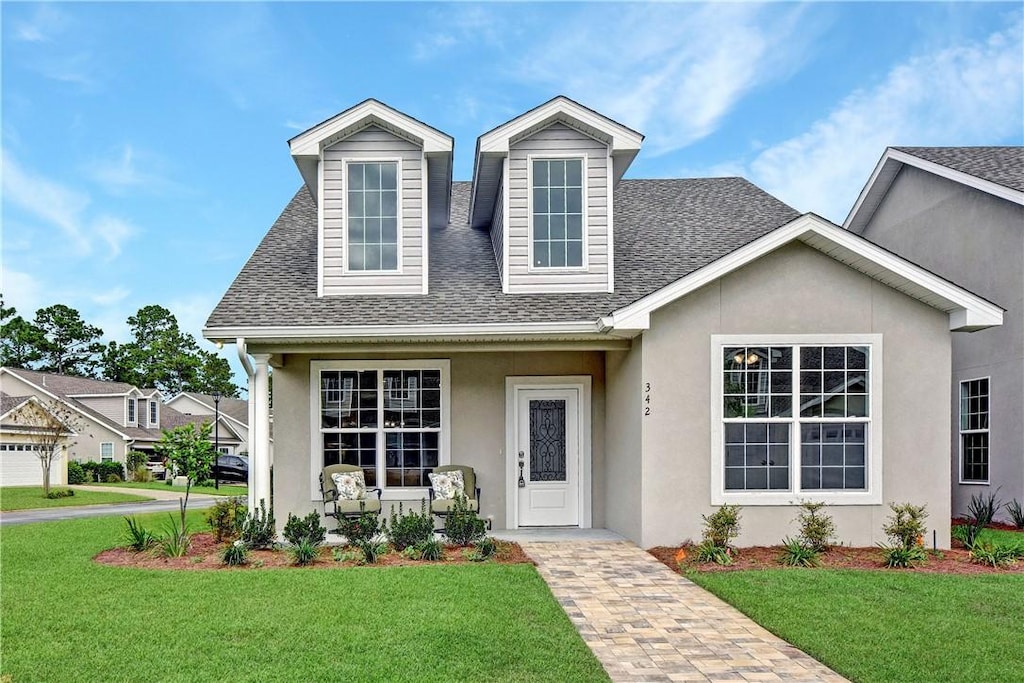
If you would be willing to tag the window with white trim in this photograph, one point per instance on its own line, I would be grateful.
(153, 416)
(106, 451)
(795, 417)
(131, 411)
(974, 430)
(390, 420)
(557, 221)
(372, 216)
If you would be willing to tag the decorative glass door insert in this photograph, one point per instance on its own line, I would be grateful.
(547, 440)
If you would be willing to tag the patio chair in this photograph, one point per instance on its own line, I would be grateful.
(339, 508)
(440, 506)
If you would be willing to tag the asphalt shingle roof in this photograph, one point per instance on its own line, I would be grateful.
(236, 408)
(1001, 165)
(664, 230)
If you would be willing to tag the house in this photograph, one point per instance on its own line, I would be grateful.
(605, 352)
(959, 212)
(233, 426)
(19, 462)
(114, 417)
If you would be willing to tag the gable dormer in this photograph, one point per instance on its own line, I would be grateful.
(380, 180)
(543, 184)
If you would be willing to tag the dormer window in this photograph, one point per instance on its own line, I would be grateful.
(557, 210)
(372, 216)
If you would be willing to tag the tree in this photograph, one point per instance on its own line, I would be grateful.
(69, 345)
(48, 424)
(189, 453)
(20, 340)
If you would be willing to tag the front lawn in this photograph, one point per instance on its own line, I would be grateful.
(29, 497)
(224, 490)
(893, 625)
(64, 617)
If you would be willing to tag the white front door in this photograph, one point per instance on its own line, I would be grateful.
(547, 456)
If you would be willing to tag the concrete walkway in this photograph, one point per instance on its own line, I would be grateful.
(161, 501)
(644, 622)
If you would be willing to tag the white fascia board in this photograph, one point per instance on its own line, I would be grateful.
(871, 189)
(967, 311)
(481, 330)
(111, 395)
(308, 142)
(497, 140)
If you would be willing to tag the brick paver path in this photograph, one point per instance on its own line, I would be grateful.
(646, 623)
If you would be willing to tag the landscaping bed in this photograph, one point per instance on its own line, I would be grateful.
(206, 552)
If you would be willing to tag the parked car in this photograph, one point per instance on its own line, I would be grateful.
(233, 468)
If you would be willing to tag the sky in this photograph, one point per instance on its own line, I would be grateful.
(144, 146)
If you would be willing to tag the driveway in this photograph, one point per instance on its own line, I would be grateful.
(163, 501)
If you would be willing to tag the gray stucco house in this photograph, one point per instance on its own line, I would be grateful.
(959, 211)
(605, 352)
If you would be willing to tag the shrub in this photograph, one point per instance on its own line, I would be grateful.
(996, 554)
(371, 550)
(796, 552)
(137, 536)
(176, 540)
(304, 552)
(226, 518)
(305, 530)
(483, 549)
(236, 553)
(113, 479)
(259, 529)
(462, 526)
(405, 530)
(905, 530)
(898, 557)
(816, 529)
(722, 526)
(60, 493)
(982, 509)
(76, 474)
(359, 529)
(134, 460)
(431, 550)
(100, 471)
(1013, 508)
(142, 473)
(707, 551)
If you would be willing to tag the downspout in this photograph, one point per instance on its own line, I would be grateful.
(250, 373)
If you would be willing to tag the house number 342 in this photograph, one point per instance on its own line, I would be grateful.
(647, 398)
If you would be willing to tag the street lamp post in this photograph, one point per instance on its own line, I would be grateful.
(216, 440)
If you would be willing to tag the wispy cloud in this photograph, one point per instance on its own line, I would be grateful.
(122, 173)
(464, 25)
(46, 23)
(963, 94)
(110, 296)
(63, 208)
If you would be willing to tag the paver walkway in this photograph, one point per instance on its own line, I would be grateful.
(644, 622)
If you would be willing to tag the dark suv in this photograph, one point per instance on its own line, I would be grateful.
(232, 468)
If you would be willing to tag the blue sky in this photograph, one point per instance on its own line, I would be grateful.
(144, 145)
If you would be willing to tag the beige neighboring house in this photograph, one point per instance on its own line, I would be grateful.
(605, 352)
(19, 463)
(234, 418)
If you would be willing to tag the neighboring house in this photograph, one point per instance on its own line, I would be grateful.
(611, 353)
(959, 211)
(19, 463)
(115, 417)
(233, 437)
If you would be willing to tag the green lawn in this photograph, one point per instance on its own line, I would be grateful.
(66, 618)
(28, 497)
(888, 625)
(1001, 537)
(224, 490)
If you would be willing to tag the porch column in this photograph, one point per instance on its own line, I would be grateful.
(259, 434)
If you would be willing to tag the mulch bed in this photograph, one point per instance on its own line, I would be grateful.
(205, 553)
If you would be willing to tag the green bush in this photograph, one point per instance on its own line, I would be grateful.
(113, 479)
(304, 552)
(308, 529)
(133, 460)
(406, 529)
(709, 552)
(371, 550)
(483, 549)
(722, 527)
(462, 526)
(259, 530)
(798, 553)
(60, 493)
(137, 536)
(142, 473)
(1013, 508)
(102, 470)
(359, 529)
(431, 550)
(226, 518)
(905, 529)
(982, 509)
(176, 539)
(76, 474)
(996, 554)
(816, 529)
(235, 553)
(898, 557)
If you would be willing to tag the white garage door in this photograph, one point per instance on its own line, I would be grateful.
(21, 468)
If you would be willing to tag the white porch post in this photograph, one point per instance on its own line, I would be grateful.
(259, 447)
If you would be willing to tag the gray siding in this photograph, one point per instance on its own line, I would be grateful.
(498, 232)
(555, 140)
(373, 143)
(977, 241)
(113, 407)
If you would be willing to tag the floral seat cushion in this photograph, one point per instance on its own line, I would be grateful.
(350, 485)
(447, 485)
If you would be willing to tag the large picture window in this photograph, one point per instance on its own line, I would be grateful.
(974, 430)
(557, 221)
(795, 417)
(372, 216)
(388, 420)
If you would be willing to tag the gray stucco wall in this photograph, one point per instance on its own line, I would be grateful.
(977, 241)
(795, 290)
(624, 440)
(478, 422)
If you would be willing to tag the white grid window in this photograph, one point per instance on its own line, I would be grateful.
(106, 451)
(131, 411)
(974, 430)
(558, 213)
(373, 216)
(152, 414)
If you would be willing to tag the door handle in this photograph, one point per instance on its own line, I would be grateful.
(522, 482)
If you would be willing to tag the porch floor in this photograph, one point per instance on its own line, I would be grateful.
(555, 535)
(644, 622)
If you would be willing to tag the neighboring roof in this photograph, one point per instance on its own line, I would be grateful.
(235, 408)
(664, 230)
(9, 403)
(998, 171)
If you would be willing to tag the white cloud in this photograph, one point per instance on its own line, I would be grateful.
(110, 296)
(463, 25)
(44, 25)
(964, 94)
(122, 173)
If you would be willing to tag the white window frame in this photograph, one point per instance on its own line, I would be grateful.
(530, 158)
(131, 413)
(961, 431)
(399, 270)
(872, 495)
(103, 446)
(316, 435)
(154, 414)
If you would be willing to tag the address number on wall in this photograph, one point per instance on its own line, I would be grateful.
(647, 399)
